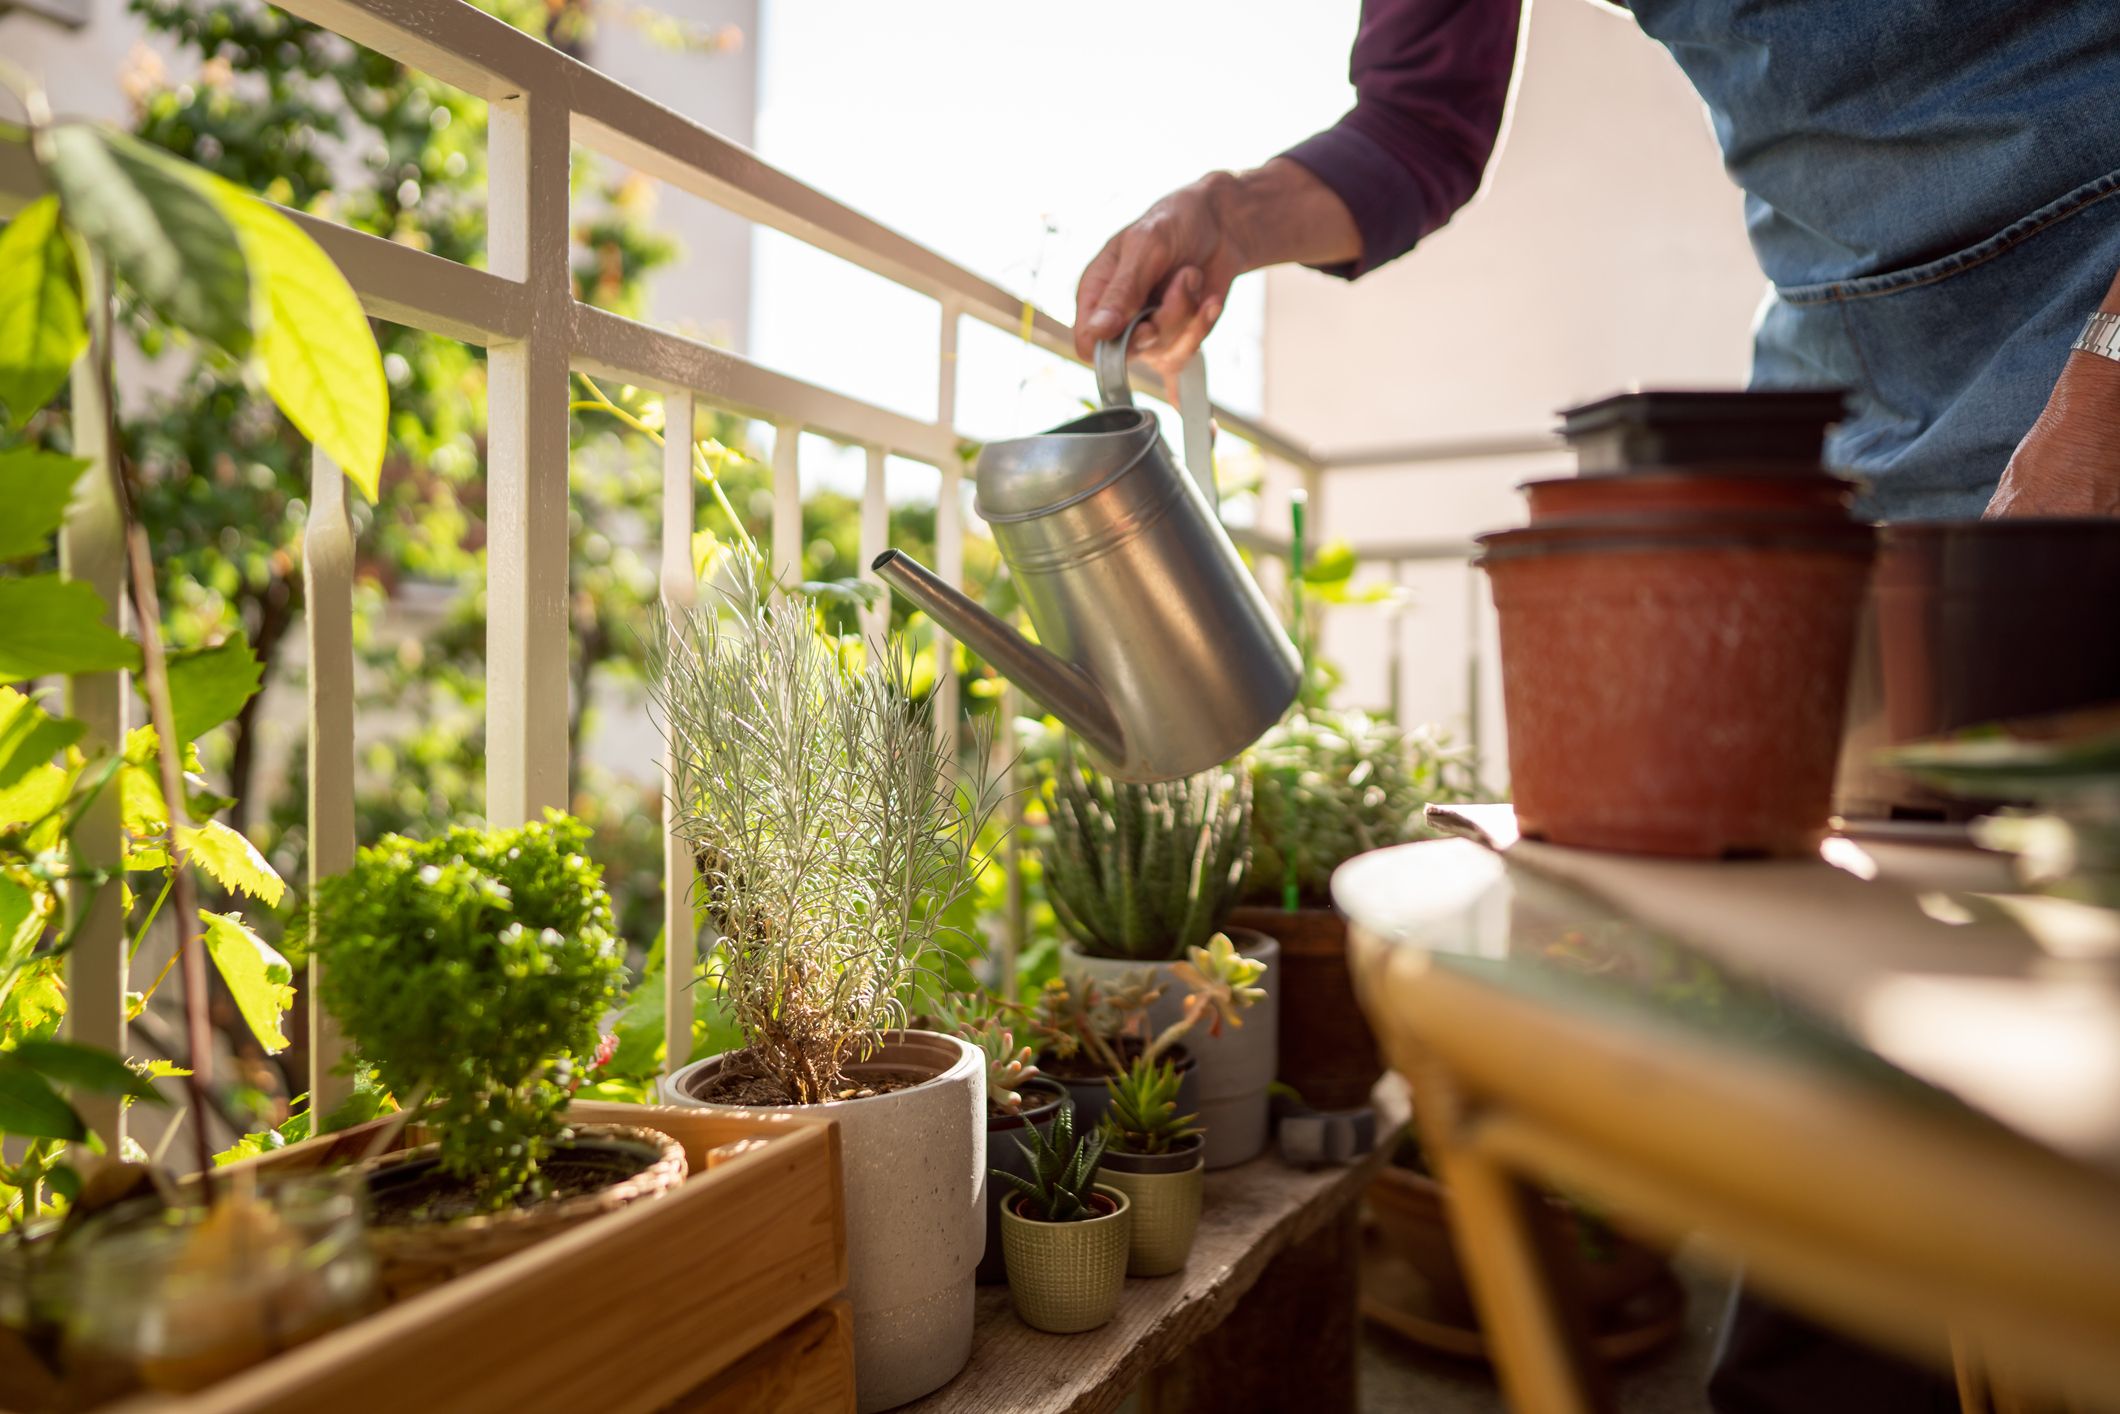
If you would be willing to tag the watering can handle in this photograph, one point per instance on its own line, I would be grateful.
(1193, 408)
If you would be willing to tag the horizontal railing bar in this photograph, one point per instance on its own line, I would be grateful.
(608, 345)
(488, 57)
(1387, 552)
(1402, 454)
(421, 291)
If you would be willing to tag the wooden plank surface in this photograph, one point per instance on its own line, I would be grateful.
(806, 1369)
(1253, 1213)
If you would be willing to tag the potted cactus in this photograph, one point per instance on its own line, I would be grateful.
(1064, 1234)
(835, 834)
(1153, 1154)
(471, 971)
(1018, 1098)
(1327, 786)
(1142, 875)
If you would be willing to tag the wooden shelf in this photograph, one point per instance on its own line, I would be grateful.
(1253, 1214)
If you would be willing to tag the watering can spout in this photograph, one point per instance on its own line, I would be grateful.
(1064, 688)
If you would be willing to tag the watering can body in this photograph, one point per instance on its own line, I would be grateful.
(1155, 645)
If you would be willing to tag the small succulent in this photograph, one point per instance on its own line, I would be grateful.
(1063, 1171)
(1327, 786)
(1008, 1065)
(1219, 980)
(1146, 871)
(1143, 1116)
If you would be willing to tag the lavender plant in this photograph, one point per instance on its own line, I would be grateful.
(832, 826)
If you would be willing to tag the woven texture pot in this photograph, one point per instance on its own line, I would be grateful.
(1679, 689)
(1066, 1277)
(412, 1257)
(1005, 1134)
(1234, 1068)
(1164, 1191)
(1328, 1053)
(914, 1163)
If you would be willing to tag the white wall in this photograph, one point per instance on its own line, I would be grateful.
(1608, 249)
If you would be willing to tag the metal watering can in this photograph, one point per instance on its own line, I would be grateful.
(1155, 646)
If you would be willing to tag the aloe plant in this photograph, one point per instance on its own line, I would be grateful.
(1143, 1116)
(1063, 1171)
(1146, 871)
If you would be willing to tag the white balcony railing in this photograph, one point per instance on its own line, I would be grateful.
(522, 311)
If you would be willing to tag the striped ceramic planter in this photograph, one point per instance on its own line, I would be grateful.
(1164, 1190)
(1066, 1277)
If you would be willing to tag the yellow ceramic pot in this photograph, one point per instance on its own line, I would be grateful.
(1066, 1277)
(1164, 1190)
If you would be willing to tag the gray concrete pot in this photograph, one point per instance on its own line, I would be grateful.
(914, 1164)
(1233, 1069)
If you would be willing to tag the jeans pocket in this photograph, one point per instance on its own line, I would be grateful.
(1930, 272)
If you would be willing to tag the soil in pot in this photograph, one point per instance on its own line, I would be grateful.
(1329, 1055)
(1066, 1277)
(420, 1192)
(1005, 1132)
(1165, 1191)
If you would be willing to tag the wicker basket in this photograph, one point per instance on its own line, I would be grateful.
(412, 1258)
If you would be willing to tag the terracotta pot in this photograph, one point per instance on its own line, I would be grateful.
(1004, 1136)
(1677, 685)
(1413, 1222)
(914, 1167)
(1761, 492)
(1066, 1277)
(1165, 1191)
(1091, 1099)
(1328, 1053)
(1235, 1067)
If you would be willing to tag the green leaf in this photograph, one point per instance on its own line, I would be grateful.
(35, 487)
(321, 363)
(30, 736)
(42, 331)
(232, 861)
(36, 1004)
(30, 1108)
(208, 686)
(151, 217)
(85, 1068)
(1334, 563)
(258, 977)
(54, 625)
(140, 805)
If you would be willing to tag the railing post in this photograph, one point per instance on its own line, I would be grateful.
(92, 550)
(786, 549)
(528, 151)
(949, 529)
(875, 539)
(680, 592)
(327, 590)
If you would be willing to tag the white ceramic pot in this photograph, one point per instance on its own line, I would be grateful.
(914, 1163)
(1232, 1069)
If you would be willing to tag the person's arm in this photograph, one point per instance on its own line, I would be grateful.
(2069, 463)
(1431, 80)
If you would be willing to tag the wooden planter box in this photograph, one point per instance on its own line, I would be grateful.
(720, 1296)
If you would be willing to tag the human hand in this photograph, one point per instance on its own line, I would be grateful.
(1184, 252)
(2069, 463)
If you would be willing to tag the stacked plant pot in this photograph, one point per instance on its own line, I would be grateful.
(1678, 622)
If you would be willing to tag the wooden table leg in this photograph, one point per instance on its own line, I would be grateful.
(1291, 1342)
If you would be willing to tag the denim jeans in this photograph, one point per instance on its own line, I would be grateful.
(1929, 188)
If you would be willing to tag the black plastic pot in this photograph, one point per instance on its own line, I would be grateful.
(1042, 1101)
(1765, 430)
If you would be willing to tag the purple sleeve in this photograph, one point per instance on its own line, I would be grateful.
(1431, 78)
